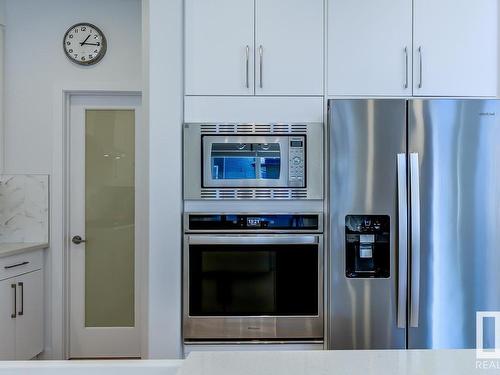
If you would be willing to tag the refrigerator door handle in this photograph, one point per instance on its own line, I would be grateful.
(402, 241)
(415, 239)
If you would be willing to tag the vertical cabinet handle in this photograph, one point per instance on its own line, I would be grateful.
(406, 68)
(21, 291)
(421, 72)
(247, 62)
(415, 239)
(261, 57)
(402, 241)
(14, 305)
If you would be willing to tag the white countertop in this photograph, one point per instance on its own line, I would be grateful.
(104, 367)
(8, 249)
(347, 362)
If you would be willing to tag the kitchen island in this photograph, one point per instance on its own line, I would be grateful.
(348, 362)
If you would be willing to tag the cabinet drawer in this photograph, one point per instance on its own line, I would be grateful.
(21, 263)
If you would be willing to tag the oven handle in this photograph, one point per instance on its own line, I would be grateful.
(250, 240)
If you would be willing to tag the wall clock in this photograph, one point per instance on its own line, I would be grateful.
(84, 44)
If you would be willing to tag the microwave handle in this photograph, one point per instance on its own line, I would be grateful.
(231, 240)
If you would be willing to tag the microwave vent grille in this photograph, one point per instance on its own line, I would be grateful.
(253, 128)
(258, 193)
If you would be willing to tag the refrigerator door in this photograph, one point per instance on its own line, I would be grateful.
(366, 137)
(455, 220)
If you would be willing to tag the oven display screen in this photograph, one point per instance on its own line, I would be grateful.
(253, 222)
(296, 143)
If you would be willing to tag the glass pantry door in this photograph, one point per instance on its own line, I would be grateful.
(103, 308)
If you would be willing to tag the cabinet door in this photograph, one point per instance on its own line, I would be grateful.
(29, 321)
(219, 47)
(2, 89)
(289, 47)
(369, 47)
(7, 322)
(456, 48)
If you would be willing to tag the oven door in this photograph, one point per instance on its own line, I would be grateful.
(267, 287)
(245, 161)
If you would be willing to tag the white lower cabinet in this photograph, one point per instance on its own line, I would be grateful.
(7, 323)
(21, 316)
(29, 319)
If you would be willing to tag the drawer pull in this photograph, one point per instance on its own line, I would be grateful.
(14, 306)
(21, 290)
(16, 265)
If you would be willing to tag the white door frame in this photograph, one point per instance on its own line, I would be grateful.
(94, 342)
(57, 309)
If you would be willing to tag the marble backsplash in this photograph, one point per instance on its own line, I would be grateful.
(24, 208)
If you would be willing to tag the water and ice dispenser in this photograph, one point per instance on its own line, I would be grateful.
(367, 246)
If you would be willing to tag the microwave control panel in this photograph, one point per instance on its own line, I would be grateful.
(296, 162)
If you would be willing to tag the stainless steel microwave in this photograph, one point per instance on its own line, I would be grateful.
(253, 161)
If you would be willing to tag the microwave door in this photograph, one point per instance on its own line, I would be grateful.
(251, 161)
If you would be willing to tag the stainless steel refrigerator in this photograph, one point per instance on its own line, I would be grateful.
(415, 222)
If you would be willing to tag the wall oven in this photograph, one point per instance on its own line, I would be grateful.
(250, 161)
(253, 277)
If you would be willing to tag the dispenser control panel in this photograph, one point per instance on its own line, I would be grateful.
(367, 246)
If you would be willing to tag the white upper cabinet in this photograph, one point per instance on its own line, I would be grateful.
(219, 47)
(226, 39)
(369, 47)
(456, 48)
(289, 46)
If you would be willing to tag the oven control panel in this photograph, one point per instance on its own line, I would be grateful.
(296, 162)
(257, 222)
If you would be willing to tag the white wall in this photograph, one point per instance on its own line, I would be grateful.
(35, 64)
(164, 99)
(35, 68)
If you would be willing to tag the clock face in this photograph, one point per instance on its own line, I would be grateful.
(84, 44)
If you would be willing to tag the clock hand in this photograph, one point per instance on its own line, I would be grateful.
(82, 43)
(91, 44)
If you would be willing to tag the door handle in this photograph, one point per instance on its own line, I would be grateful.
(406, 68)
(14, 306)
(421, 69)
(415, 239)
(402, 241)
(247, 62)
(21, 291)
(77, 240)
(261, 63)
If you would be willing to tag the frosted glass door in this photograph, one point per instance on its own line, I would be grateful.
(103, 310)
(109, 218)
